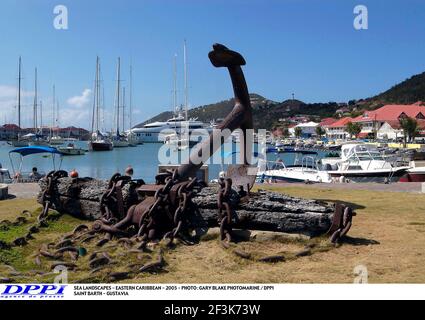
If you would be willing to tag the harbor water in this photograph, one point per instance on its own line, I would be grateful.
(102, 165)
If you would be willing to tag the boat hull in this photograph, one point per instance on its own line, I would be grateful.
(295, 174)
(384, 176)
(414, 175)
(100, 146)
(19, 143)
(120, 144)
(72, 152)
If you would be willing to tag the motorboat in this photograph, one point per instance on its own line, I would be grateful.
(21, 176)
(71, 150)
(304, 169)
(361, 162)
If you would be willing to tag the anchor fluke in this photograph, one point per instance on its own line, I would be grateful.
(221, 56)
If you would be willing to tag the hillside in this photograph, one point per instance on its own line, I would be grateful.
(213, 111)
(267, 113)
(409, 91)
(406, 92)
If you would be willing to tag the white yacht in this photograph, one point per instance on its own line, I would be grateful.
(156, 132)
(176, 127)
(363, 163)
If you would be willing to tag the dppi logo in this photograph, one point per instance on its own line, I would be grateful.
(33, 291)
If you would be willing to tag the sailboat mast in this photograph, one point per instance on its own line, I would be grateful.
(97, 94)
(35, 102)
(41, 117)
(57, 114)
(175, 83)
(123, 109)
(118, 96)
(186, 92)
(131, 97)
(19, 93)
(53, 111)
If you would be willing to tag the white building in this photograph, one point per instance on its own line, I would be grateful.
(308, 129)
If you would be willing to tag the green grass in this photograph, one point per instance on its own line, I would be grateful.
(387, 237)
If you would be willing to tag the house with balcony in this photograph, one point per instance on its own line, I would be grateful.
(338, 129)
(385, 121)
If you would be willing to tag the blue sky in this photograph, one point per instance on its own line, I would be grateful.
(308, 47)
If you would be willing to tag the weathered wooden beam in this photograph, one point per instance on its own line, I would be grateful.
(263, 210)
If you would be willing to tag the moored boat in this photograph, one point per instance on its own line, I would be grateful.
(363, 163)
(71, 150)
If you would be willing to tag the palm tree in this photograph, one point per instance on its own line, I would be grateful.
(410, 129)
(320, 131)
(298, 132)
(353, 129)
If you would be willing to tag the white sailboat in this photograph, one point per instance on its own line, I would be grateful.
(98, 141)
(36, 139)
(119, 140)
(55, 139)
(19, 142)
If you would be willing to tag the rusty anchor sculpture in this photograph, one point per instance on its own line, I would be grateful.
(164, 209)
(167, 206)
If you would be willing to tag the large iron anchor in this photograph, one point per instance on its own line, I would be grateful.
(239, 118)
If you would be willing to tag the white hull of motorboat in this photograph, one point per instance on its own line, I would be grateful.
(71, 151)
(295, 174)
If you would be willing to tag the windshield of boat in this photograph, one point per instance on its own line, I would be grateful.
(363, 153)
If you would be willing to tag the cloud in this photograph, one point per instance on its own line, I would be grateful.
(80, 101)
(8, 102)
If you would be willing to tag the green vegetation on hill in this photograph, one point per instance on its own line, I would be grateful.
(267, 113)
(406, 92)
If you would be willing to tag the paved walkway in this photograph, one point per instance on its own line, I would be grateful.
(30, 190)
(413, 187)
(24, 190)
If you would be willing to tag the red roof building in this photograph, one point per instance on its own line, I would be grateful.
(372, 121)
(325, 123)
(337, 130)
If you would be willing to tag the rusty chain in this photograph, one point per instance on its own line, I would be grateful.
(162, 215)
(223, 203)
(47, 196)
(341, 223)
